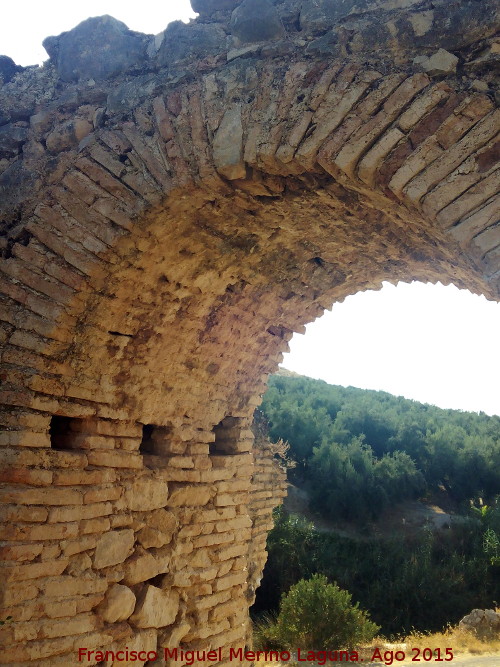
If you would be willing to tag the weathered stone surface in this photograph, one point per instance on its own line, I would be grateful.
(228, 145)
(208, 7)
(174, 636)
(439, 64)
(159, 530)
(118, 604)
(142, 642)
(8, 69)
(98, 48)
(155, 608)
(140, 567)
(113, 547)
(256, 21)
(181, 41)
(12, 138)
(146, 494)
(323, 14)
(68, 135)
(483, 622)
(189, 496)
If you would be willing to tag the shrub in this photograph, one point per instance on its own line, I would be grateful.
(317, 615)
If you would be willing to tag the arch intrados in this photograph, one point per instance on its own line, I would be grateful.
(235, 275)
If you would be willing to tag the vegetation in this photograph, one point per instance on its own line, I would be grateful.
(319, 615)
(357, 453)
(408, 582)
(360, 451)
(461, 640)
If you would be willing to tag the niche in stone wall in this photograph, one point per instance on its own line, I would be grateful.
(227, 435)
(156, 440)
(63, 432)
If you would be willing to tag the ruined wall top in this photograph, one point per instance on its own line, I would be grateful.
(104, 65)
(102, 47)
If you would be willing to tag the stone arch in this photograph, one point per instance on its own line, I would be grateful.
(173, 210)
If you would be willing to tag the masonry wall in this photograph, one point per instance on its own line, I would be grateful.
(172, 210)
(113, 539)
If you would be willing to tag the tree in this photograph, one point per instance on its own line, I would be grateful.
(320, 616)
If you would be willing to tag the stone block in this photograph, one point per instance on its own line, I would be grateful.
(38, 532)
(159, 529)
(195, 41)
(118, 604)
(228, 145)
(230, 580)
(98, 48)
(31, 496)
(60, 608)
(113, 548)
(84, 543)
(322, 15)
(140, 567)
(146, 494)
(97, 525)
(68, 135)
(209, 7)
(102, 494)
(189, 496)
(256, 21)
(34, 570)
(155, 608)
(20, 552)
(114, 459)
(79, 512)
(68, 586)
(8, 68)
(79, 564)
(12, 138)
(73, 477)
(440, 63)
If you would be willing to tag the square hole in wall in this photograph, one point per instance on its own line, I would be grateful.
(227, 435)
(155, 439)
(63, 432)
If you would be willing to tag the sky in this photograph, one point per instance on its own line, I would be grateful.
(434, 344)
(25, 25)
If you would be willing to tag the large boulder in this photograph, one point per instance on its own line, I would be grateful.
(12, 138)
(322, 15)
(98, 48)
(8, 69)
(485, 623)
(183, 41)
(256, 21)
(208, 7)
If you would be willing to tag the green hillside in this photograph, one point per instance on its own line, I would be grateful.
(361, 451)
(358, 455)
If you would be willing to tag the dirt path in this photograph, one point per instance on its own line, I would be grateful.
(406, 518)
(477, 661)
(462, 661)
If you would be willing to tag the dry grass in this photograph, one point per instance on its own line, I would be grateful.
(461, 642)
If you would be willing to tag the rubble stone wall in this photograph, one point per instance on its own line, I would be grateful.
(173, 208)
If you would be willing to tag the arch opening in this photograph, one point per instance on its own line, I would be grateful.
(421, 341)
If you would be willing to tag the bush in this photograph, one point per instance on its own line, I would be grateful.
(317, 615)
